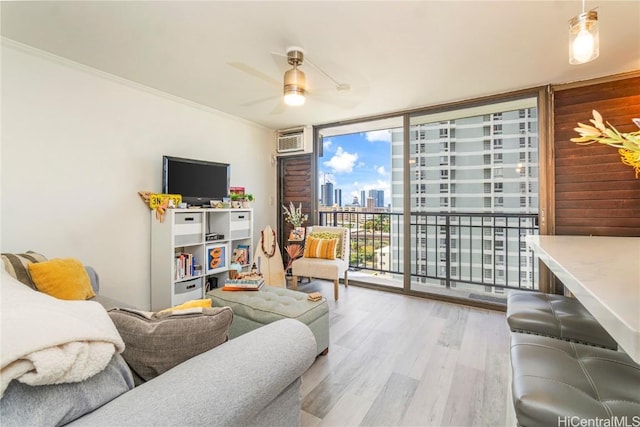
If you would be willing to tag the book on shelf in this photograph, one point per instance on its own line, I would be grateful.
(185, 265)
(243, 254)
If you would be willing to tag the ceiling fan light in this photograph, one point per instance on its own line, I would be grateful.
(584, 38)
(295, 84)
(294, 99)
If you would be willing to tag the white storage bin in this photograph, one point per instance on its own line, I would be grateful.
(240, 227)
(188, 228)
(186, 291)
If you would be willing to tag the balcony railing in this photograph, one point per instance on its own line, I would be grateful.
(483, 251)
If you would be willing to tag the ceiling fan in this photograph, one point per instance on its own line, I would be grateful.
(295, 89)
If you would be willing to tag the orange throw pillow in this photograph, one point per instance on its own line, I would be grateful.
(63, 278)
(320, 248)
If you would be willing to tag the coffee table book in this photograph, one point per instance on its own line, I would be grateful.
(243, 284)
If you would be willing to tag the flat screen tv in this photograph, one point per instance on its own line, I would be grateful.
(198, 181)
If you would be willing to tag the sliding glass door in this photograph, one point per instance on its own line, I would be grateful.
(474, 196)
(360, 186)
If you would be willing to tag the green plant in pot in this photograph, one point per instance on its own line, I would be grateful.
(236, 200)
(247, 200)
(241, 200)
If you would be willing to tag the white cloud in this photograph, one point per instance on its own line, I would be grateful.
(326, 143)
(342, 162)
(382, 171)
(379, 135)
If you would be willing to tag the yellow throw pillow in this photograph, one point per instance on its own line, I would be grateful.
(63, 278)
(320, 248)
(196, 303)
(329, 235)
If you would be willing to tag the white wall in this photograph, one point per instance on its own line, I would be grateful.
(77, 146)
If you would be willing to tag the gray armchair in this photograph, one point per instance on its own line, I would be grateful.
(325, 268)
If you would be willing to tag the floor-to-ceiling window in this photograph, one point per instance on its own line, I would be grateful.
(438, 201)
(474, 196)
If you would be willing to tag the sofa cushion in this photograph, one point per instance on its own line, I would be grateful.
(320, 248)
(156, 342)
(63, 278)
(58, 404)
(17, 265)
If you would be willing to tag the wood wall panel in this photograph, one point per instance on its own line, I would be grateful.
(295, 185)
(595, 194)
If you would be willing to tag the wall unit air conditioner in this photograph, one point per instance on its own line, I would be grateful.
(294, 141)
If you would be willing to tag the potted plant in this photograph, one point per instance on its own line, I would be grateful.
(246, 201)
(294, 216)
(236, 200)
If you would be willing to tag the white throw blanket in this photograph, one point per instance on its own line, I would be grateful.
(46, 340)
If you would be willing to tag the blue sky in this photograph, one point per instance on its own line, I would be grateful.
(355, 162)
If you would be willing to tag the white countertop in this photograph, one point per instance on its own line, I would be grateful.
(604, 274)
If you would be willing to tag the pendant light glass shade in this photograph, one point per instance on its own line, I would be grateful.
(295, 84)
(584, 38)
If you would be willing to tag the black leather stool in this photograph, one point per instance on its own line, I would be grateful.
(555, 316)
(555, 380)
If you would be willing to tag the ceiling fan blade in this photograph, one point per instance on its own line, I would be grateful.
(334, 101)
(346, 98)
(279, 108)
(258, 101)
(255, 73)
(279, 55)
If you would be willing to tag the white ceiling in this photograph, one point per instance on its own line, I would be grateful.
(395, 55)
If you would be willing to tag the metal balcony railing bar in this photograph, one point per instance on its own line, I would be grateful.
(444, 245)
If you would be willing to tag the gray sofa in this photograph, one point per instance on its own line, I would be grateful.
(253, 380)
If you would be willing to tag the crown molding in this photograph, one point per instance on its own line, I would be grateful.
(28, 49)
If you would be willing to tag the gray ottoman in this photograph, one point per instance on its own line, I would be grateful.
(559, 383)
(555, 316)
(253, 309)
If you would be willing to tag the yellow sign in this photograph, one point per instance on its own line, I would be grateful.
(171, 200)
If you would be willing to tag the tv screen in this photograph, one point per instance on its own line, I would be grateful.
(198, 181)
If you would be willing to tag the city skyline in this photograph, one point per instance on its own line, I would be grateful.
(357, 162)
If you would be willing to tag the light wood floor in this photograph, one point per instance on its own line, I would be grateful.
(396, 360)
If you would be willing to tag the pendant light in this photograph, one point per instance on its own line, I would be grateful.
(295, 82)
(584, 38)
